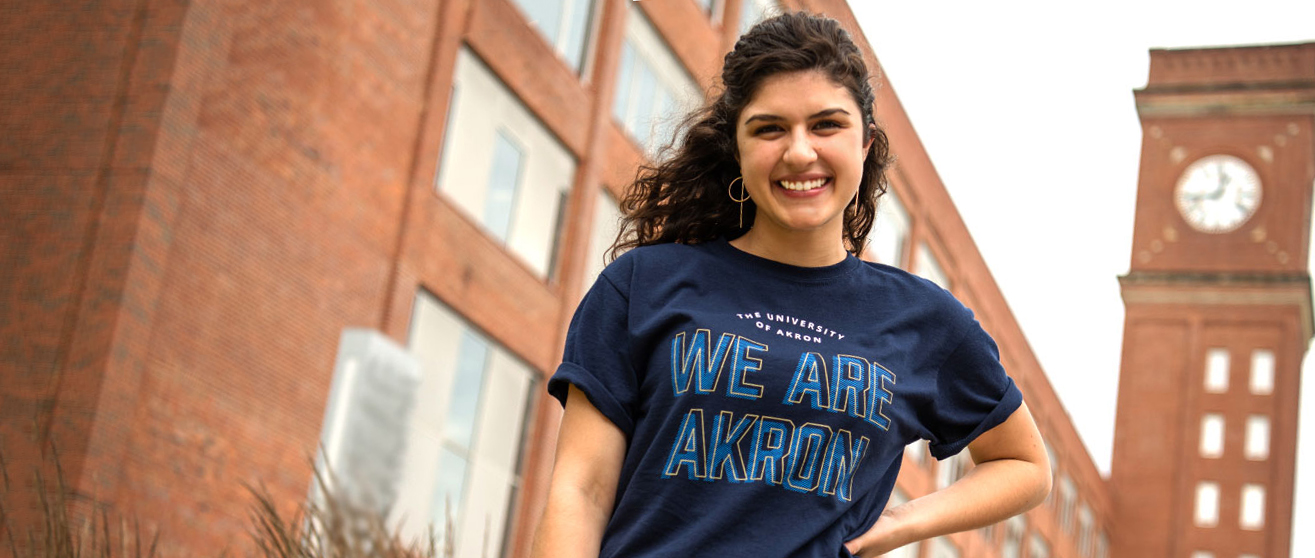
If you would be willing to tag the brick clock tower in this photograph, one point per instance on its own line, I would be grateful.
(1218, 300)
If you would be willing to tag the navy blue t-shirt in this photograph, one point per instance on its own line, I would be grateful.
(767, 406)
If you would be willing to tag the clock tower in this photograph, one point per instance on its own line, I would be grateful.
(1218, 301)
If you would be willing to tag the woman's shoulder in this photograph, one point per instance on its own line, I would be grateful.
(914, 290)
(659, 254)
(642, 260)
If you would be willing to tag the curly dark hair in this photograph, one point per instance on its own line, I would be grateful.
(683, 198)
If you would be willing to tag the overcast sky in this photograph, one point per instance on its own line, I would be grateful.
(1026, 109)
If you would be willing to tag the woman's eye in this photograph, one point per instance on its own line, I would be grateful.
(767, 129)
(825, 124)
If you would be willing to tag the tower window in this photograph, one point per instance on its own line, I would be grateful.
(1216, 370)
(1207, 504)
(1262, 372)
(1257, 440)
(1212, 435)
(1253, 507)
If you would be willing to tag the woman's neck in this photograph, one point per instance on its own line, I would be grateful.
(798, 248)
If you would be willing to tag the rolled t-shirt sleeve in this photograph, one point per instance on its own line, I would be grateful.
(973, 393)
(597, 356)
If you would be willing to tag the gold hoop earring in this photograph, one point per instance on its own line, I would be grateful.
(744, 196)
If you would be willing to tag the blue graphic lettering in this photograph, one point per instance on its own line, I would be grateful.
(809, 379)
(843, 455)
(806, 455)
(741, 365)
(770, 449)
(724, 447)
(848, 385)
(689, 447)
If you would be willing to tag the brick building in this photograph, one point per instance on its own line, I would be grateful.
(209, 206)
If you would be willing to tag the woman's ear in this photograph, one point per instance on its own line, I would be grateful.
(872, 136)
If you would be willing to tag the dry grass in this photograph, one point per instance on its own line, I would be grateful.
(65, 534)
(327, 527)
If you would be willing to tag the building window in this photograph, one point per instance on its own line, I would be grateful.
(1212, 435)
(565, 23)
(1012, 547)
(952, 469)
(1037, 547)
(917, 451)
(653, 89)
(942, 547)
(713, 8)
(930, 269)
(607, 221)
(1253, 507)
(1084, 530)
(1207, 504)
(1216, 370)
(1054, 472)
(1068, 494)
(1203, 554)
(890, 234)
(1262, 372)
(754, 11)
(502, 167)
(463, 445)
(1257, 438)
(910, 550)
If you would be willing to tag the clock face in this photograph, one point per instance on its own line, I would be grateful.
(1218, 193)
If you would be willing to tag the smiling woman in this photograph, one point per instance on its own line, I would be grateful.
(801, 141)
(738, 382)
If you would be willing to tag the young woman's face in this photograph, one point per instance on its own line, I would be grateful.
(801, 144)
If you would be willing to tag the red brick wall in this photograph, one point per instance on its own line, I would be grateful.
(205, 194)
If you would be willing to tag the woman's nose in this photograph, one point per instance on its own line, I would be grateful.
(800, 152)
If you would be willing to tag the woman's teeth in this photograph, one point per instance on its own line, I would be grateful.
(803, 185)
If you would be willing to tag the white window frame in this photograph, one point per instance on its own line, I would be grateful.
(1068, 494)
(1207, 504)
(1251, 516)
(928, 267)
(1212, 435)
(482, 107)
(1086, 522)
(952, 468)
(1217, 362)
(890, 234)
(560, 38)
(490, 476)
(651, 54)
(1012, 545)
(1257, 438)
(1037, 547)
(1262, 372)
(754, 11)
(943, 547)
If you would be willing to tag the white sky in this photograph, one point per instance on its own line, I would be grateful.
(1026, 109)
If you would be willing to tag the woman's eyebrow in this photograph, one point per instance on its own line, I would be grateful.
(774, 118)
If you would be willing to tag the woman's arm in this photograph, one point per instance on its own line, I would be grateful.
(590, 449)
(1012, 476)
